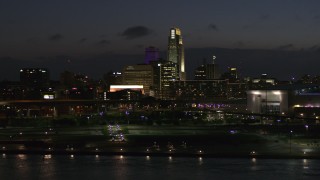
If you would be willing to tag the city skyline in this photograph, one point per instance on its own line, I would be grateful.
(51, 34)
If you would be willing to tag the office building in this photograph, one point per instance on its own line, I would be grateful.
(165, 72)
(295, 99)
(140, 74)
(207, 71)
(176, 52)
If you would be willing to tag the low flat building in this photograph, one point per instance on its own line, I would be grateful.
(297, 99)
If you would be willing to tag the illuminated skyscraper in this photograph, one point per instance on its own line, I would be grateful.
(176, 52)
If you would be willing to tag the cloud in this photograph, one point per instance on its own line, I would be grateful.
(103, 42)
(286, 47)
(83, 40)
(136, 32)
(213, 27)
(55, 37)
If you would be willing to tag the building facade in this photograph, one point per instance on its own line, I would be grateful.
(298, 100)
(140, 74)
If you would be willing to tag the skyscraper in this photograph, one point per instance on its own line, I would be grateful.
(176, 52)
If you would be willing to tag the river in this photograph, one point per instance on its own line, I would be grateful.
(58, 167)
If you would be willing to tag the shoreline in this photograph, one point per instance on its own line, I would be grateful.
(160, 154)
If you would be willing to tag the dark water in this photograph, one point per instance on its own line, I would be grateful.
(117, 167)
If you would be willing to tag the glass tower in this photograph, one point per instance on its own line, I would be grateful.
(176, 52)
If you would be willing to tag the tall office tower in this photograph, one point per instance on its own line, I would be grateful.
(151, 54)
(176, 52)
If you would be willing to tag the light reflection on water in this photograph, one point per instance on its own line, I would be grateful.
(148, 167)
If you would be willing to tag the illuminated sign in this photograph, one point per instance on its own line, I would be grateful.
(48, 96)
(126, 86)
(114, 88)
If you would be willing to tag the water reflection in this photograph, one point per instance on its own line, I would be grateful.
(22, 156)
(305, 164)
(47, 156)
(127, 167)
(200, 160)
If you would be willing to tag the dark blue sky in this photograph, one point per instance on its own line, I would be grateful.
(39, 30)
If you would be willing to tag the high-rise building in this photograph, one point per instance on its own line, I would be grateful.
(207, 71)
(164, 74)
(176, 52)
(151, 54)
(168, 75)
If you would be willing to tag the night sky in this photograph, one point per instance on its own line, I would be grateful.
(278, 37)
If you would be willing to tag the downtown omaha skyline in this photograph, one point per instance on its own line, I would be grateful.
(89, 37)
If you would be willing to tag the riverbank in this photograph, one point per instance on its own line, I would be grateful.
(160, 154)
(164, 141)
